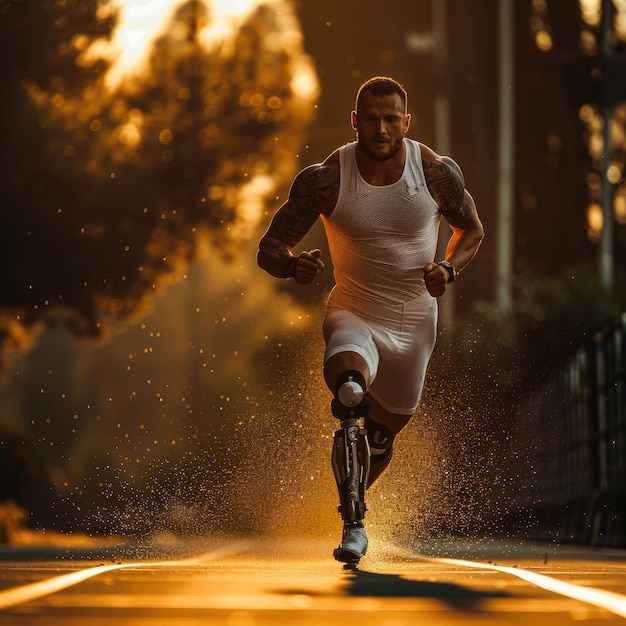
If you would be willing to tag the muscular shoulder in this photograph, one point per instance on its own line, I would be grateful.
(444, 179)
(316, 187)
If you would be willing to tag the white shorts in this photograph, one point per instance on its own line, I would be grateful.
(395, 340)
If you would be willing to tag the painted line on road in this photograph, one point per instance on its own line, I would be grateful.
(608, 600)
(32, 591)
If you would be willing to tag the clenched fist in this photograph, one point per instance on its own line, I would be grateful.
(436, 277)
(307, 267)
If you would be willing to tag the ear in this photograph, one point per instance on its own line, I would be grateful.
(407, 122)
(353, 119)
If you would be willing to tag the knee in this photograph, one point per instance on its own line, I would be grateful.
(345, 362)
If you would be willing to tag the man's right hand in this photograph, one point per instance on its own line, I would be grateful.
(307, 267)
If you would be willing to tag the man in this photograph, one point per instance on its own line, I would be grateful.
(380, 199)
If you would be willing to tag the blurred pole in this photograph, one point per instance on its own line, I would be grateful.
(442, 98)
(441, 111)
(505, 157)
(606, 239)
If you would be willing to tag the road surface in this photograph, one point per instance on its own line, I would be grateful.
(233, 581)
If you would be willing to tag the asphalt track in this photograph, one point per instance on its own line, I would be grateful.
(234, 581)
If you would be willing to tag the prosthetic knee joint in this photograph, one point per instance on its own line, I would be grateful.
(351, 454)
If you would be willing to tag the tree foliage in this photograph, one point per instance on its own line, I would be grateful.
(108, 189)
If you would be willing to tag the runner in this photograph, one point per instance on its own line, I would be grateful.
(380, 199)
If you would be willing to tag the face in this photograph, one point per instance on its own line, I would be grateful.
(381, 123)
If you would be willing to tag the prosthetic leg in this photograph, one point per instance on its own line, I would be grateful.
(351, 462)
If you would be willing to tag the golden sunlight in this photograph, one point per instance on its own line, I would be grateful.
(594, 222)
(591, 11)
(140, 22)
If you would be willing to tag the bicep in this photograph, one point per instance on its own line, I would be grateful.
(445, 182)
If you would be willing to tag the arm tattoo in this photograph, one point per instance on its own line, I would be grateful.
(314, 191)
(464, 216)
(445, 183)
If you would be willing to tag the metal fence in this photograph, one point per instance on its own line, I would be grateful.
(573, 436)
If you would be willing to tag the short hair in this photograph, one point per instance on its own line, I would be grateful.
(382, 86)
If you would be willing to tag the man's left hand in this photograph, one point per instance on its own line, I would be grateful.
(436, 277)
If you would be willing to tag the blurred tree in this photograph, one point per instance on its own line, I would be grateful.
(108, 188)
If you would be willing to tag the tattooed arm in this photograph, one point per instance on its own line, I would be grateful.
(467, 232)
(446, 184)
(313, 192)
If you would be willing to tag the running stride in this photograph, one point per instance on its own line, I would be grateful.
(380, 199)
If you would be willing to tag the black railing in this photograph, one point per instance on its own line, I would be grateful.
(571, 439)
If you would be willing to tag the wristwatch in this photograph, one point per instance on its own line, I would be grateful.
(450, 268)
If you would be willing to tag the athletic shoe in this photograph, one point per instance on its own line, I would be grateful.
(353, 544)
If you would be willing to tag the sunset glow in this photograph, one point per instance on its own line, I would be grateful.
(141, 22)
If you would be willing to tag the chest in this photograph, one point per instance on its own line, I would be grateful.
(382, 212)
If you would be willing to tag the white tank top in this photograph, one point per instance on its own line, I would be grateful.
(380, 237)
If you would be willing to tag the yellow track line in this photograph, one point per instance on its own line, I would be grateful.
(32, 591)
(19, 595)
(608, 600)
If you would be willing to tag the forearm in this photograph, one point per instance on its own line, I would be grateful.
(467, 233)
(276, 258)
(463, 246)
